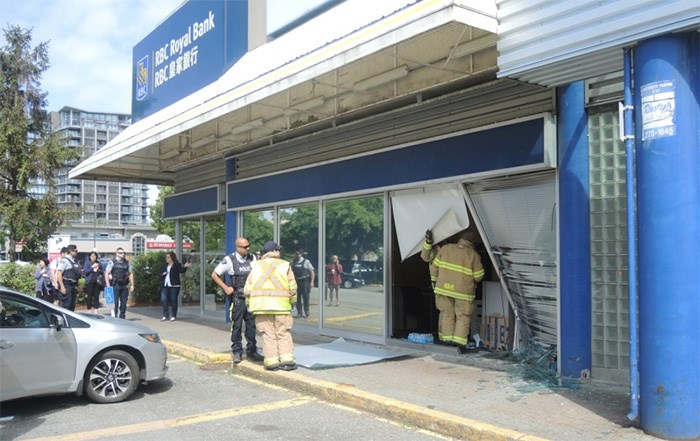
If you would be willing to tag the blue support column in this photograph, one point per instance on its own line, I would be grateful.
(231, 229)
(667, 90)
(574, 232)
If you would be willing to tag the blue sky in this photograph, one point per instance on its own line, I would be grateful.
(91, 42)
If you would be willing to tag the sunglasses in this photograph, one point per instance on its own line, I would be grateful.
(243, 246)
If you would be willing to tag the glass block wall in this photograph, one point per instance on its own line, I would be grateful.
(610, 321)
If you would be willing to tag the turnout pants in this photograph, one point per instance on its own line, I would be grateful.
(276, 331)
(455, 319)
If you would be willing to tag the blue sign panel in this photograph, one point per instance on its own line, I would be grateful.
(188, 51)
(193, 203)
(514, 145)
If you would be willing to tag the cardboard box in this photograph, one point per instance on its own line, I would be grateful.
(497, 332)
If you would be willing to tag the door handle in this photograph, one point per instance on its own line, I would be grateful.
(4, 344)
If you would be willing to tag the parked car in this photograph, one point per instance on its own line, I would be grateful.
(48, 350)
(350, 281)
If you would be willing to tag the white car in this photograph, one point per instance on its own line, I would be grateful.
(48, 350)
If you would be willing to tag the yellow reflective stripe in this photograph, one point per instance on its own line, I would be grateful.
(452, 267)
(459, 340)
(271, 293)
(453, 294)
(427, 246)
(270, 273)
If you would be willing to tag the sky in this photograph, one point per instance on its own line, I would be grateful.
(91, 42)
(90, 46)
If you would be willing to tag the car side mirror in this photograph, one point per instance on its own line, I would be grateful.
(57, 321)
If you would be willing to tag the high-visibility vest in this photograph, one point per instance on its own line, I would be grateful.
(269, 289)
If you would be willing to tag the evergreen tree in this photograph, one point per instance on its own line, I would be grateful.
(29, 154)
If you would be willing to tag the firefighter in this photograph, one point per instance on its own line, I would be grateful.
(458, 269)
(270, 291)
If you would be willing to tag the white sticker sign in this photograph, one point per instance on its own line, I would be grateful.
(658, 110)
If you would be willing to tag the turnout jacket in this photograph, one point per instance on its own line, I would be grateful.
(458, 269)
(270, 287)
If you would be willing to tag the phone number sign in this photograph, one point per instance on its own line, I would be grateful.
(658, 110)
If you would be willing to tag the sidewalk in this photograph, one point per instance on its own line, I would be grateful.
(463, 397)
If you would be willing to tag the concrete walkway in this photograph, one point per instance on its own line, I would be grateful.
(462, 397)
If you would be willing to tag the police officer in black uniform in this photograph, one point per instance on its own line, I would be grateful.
(67, 275)
(304, 275)
(118, 274)
(237, 266)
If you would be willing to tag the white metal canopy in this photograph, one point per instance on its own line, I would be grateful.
(337, 64)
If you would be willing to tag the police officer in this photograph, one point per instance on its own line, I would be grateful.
(304, 275)
(67, 275)
(119, 275)
(238, 266)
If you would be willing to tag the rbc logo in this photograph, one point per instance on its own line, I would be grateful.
(142, 78)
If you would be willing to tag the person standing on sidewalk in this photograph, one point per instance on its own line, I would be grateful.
(458, 269)
(119, 275)
(238, 266)
(171, 285)
(68, 273)
(94, 281)
(271, 290)
(42, 287)
(53, 269)
(334, 279)
(304, 275)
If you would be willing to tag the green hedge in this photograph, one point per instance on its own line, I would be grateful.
(146, 268)
(18, 277)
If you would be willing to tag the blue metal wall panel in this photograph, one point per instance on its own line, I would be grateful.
(574, 232)
(192, 203)
(509, 146)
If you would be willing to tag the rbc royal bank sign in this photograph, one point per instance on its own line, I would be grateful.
(188, 51)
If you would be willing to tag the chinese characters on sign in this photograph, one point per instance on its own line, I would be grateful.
(658, 110)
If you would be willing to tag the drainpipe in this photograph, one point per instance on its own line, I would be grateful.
(628, 136)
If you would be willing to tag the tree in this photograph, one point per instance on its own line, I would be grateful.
(30, 154)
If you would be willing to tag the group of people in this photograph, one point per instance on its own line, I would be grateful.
(58, 281)
(261, 293)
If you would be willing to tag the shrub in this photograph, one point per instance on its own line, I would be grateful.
(18, 277)
(146, 269)
(190, 281)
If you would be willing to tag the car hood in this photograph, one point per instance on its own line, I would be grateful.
(103, 321)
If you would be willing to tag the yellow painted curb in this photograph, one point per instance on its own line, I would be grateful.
(443, 423)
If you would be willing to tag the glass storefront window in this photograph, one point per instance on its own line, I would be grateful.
(354, 296)
(258, 228)
(196, 279)
(298, 228)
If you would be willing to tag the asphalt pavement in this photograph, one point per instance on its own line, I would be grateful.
(473, 396)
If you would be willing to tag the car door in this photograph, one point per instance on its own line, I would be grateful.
(35, 357)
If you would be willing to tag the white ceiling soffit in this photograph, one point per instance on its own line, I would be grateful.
(556, 42)
(428, 42)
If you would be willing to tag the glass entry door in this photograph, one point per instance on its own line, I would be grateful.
(353, 270)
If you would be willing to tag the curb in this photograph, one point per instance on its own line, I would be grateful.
(443, 423)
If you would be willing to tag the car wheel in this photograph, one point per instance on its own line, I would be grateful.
(112, 378)
(347, 284)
